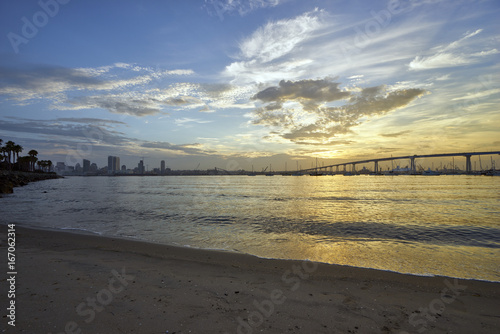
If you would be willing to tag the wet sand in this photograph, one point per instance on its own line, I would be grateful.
(77, 283)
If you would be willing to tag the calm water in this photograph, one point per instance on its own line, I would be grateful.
(437, 225)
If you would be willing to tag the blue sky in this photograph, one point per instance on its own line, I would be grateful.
(239, 83)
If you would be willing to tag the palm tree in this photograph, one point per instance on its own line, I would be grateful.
(9, 147)
(49, 165)
(17, 149)
(33, 154)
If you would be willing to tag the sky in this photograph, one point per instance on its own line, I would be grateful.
(238, 84)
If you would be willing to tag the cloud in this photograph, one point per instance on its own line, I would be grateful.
(69, 130)
(242, 7)
(68, 133)
(84, 88)
(312, 111)
(477, 95)
(117, 104)
(191, 149)
(394, 134)
(145, 102)
(268, 45)
(303, 91)
(451, 55)
(184, 120)
(277, 39)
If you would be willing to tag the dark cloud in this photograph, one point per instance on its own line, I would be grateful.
(37, 78)
(375, 100)
(304, 91)
(117, 104)
(67, 133)
(87, 120)
(394, 134)
(186, 148)
(182, 100)
(73, 130)
(316, 121)
(68, 88)
(328, 143)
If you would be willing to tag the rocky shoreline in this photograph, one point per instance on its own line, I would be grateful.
(11, 179)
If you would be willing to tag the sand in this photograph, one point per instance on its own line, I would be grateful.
(77, 283)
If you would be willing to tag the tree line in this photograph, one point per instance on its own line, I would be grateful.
(10, 159)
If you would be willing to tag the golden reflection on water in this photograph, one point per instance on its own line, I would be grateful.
(414, 258)
(409, 201)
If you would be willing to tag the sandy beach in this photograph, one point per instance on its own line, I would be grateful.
(77, 283)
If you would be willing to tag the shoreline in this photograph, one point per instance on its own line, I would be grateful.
(11, 179)
(181, 289)
(180, 247)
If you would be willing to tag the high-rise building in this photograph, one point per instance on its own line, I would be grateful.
(162, 167)
(86, 165)
(113, 164)
(124, 168)
(110, 164)
(60, 167)
(78, 168)
(140, 166)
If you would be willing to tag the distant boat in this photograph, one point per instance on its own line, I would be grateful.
(492, 172)
(270, 173)
(316, 172)
(430, 172)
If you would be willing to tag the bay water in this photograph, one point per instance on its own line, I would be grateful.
(423, 225)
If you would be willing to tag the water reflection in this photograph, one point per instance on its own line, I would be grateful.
(445, 225)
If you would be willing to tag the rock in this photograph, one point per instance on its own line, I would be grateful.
(10, 179)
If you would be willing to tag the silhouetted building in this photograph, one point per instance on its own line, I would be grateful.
(113, 164)
(60, 167)
(86, 165)
(140, 167)
(162, 167)
(93, 167)
(124, 168)
(78, 168)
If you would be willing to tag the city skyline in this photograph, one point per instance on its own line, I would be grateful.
(236, 85)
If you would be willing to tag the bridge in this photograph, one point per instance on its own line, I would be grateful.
(412, 158)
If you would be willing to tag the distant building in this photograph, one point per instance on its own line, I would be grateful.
(78, 168)
(86, 165)
(110, 164)
(113, 164)
(162, 167)
(140, 167)
(124, 168)
(60, 167)
(93, 167)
